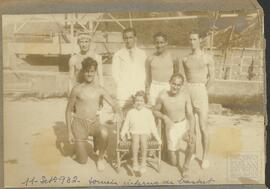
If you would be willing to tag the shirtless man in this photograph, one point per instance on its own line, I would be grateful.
(174, 107)
(199, 72)
(85, 98)
(75, 62)
(159, 68)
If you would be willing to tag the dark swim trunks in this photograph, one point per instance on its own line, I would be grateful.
(82, 128)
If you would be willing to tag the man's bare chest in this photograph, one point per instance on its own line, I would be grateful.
(195, 63)
(174, 104)
(91, 95)
(161, 63)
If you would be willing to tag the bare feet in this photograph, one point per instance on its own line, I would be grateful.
(143, 169)
(135, 167)
(101, 165)
(96, 153)
(192, 157)
(185, 172)
(205, 164)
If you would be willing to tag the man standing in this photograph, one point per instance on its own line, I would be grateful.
(75, 62)
(174, 108)
(128, 69)
(85, 98)
(159, 68)
(199, 72)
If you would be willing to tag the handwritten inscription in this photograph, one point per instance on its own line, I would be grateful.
(141, 183)
(199, 181)
(102, 182)
(50, 180)
(64, 180)
(138, 182)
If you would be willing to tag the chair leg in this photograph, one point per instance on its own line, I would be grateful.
(159, 161)
(118, 158)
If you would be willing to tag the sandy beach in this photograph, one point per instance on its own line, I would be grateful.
(35, 147)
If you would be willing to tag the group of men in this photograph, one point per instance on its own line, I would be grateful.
(171, 98)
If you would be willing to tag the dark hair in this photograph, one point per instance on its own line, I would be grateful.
(140, 93)
(160, 34)
(87, 63)
(126, 30)
(177, 75)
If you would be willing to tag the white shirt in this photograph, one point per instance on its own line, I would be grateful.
(129, 73)
(140, 122)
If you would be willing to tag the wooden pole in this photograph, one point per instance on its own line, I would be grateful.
(115, 20)
(147, 19)
(130, 20)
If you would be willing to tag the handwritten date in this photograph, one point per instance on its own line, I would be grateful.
(50, 180)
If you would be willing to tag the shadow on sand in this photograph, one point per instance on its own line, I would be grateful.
(62, 144)
(67, 149)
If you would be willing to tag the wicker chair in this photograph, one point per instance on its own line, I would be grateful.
(123, 148)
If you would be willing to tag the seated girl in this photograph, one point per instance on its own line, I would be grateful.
(140, 123)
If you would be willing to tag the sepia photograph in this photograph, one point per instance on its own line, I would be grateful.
(134, 98)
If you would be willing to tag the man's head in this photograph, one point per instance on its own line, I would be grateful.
(140, 99)
(84, 40)
(176, 82)
(129, 37)
(195, 40)
(161, 41)
(89, 68)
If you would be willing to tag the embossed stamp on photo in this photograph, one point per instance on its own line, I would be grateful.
(244, 165)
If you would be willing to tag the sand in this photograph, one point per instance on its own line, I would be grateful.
(35, 147)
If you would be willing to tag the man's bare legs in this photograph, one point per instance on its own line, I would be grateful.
(202, 118)
(135, 151)
(102, 143)
(173, 160)
(188, 155)
(81, 152)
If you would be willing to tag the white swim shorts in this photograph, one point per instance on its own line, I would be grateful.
(155, 88)
(175, 135)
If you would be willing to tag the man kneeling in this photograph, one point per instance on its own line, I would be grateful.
(173, 107)
(84, 98)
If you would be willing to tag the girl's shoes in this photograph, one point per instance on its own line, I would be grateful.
(136, 168)
(143, 169)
